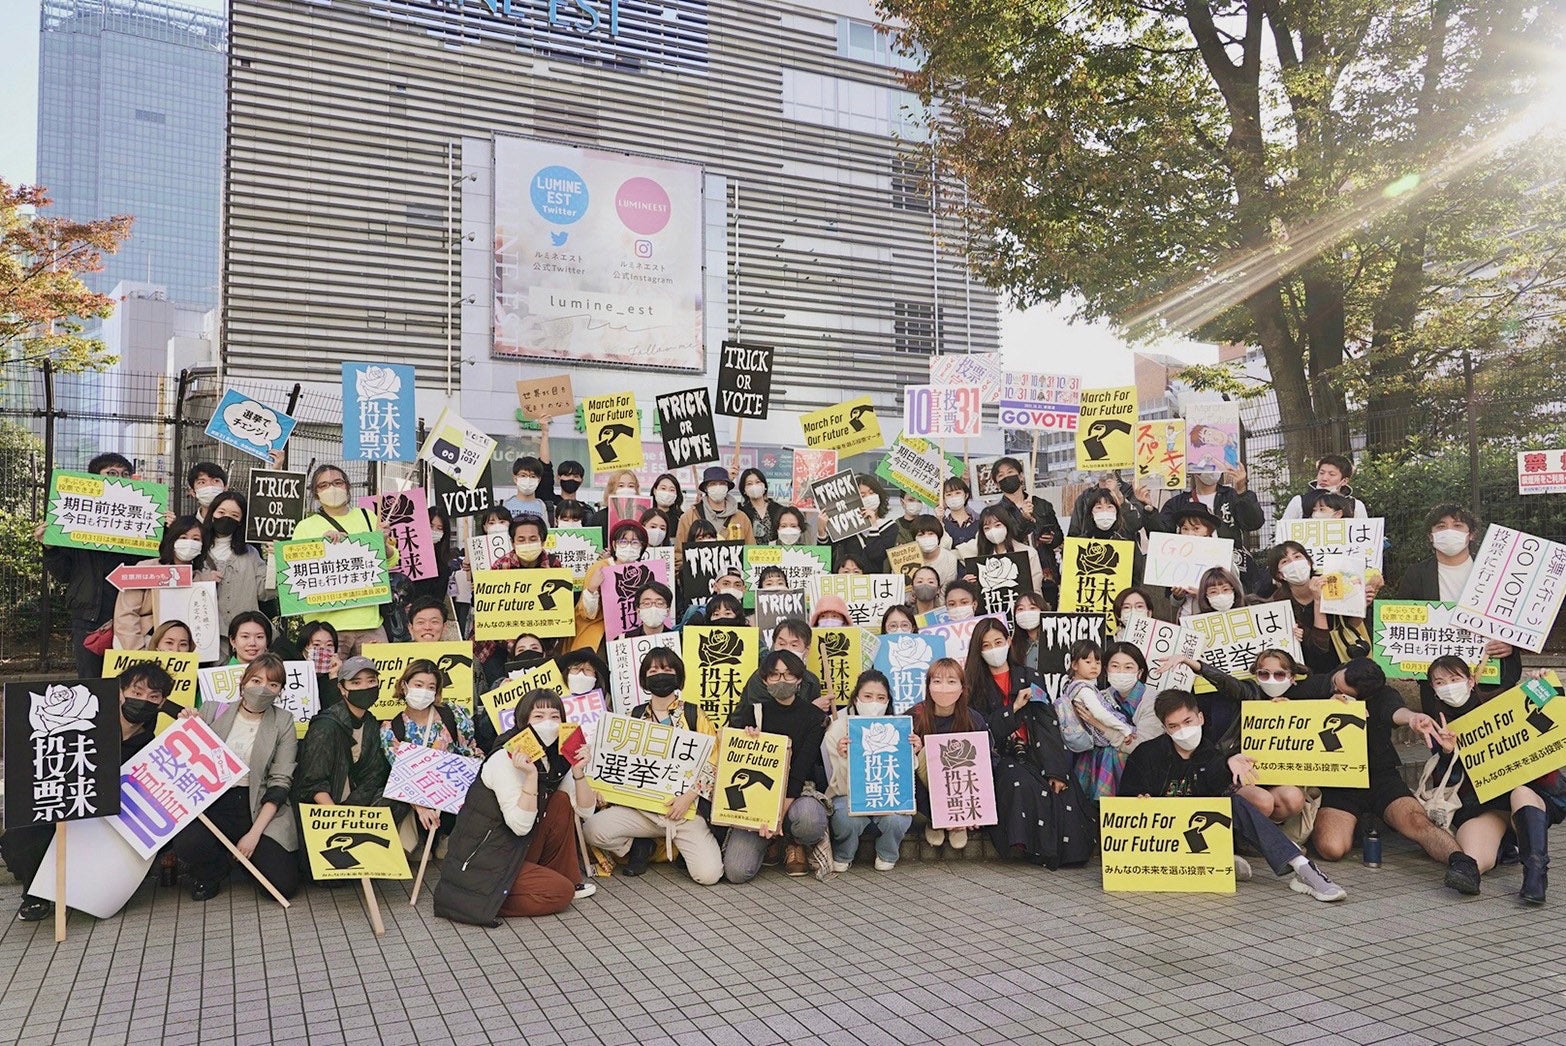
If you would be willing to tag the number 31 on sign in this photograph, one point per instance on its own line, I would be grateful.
(942, 411)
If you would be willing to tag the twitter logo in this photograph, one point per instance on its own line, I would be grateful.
(558, 238)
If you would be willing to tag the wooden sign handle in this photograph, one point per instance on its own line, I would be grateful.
(374, 906)
(424, 862)
(245, 861)
(59, 882)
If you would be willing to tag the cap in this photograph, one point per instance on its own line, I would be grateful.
(715, 474)
(354, 665)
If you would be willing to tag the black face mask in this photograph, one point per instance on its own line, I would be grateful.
(661, 684)
(224, 527)
(1009, 485)
(142, 713)
(363, 697)
(570, 486)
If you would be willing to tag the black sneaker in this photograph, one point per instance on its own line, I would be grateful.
(640, 856)
(34, 909)
(1462, 874)
(205, 891)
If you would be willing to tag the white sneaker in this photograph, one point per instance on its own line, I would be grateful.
(884, 866)
(586, 889)
(841, 866)
(935, 836)
(1309, 879)
(1242, 869)
(957, 838)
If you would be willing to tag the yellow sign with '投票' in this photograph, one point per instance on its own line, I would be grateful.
(1167, 845)
(507, 603)
(1321, 743)
(850, 427)
(352, 842)
(752, 780)
(1513, 738)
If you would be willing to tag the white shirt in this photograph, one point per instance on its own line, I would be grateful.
(242, 740)
(505, 780)
(1453, 579)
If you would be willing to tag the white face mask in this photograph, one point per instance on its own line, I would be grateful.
(1221, 600)
(496, 528)
(653, 617)
(717, 493)
(581, 682)
(333, 497)
(870, 707)
(995, 656)
(420, 697)
(664, 497)
(1296, 572)
(960, 613)
(1133, 612)
(927, 543)
(872, 501)
(911, 508)
(436, 535)
(548, 730)
(755, 490)
(1323, 513)
(1449, 542)
(955, 501)
(207, 494)
(528, 551)
(625, 491)
(525, 487)
(627, 552)
(1454, 694)
(655, 535)
(1123, 681)
(1187, 737)
(1105, 520)
(788, 535)
(186, 549)
(1028, 619)
(1275, 687)
(995, 535)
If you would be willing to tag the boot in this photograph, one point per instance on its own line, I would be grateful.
(1532, 824)
(640, 855)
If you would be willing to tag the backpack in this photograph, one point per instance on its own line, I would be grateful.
(1073, 732)
(448, 718)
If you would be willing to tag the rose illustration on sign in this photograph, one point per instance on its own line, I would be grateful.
(834, 645)
(997, 573)
(880, 739)
(720, 648)
(959, 753)
(909, 654)
(377, 383)
(1097, 559)
(62, 709)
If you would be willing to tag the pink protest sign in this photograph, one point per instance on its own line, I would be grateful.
(962, 788)
(586, 709)
(626, 507)
(425, 777)
(618, 595)
(405, 520)
(165, 785)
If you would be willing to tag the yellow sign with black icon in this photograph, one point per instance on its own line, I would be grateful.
(1513, 738)
(850, 427)
(1321, 743)
(752, 780)
(352, 842)
(1167, 845)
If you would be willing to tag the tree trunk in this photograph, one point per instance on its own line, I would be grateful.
(1325, 334)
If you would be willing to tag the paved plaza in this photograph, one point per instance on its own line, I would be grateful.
(960, 951)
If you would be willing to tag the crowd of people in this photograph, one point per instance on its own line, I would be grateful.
(513, 851)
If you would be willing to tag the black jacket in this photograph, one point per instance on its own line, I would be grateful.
(84, 573)
(1156, 769)
(1043, 748)
(326, 762)
(800, 721)
(987, 698)
(1380, 706)
(871, 546)
(1238, 514)
(1043, 532)
(1423, 581)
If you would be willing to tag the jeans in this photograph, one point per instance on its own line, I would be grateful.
(1258, 832)
(743, 850)
(846, 830)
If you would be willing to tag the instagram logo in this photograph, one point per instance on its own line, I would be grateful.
(644, 248)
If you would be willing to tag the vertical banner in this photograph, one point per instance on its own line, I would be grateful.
(880, 765)
(249, 425)
(905, 660)
(276, 505)
(405, 520)
(685, 422)
(380, 420)
(460, 450)
(1167, 845)
(718, 660)
(1104, 429)
(1094, 572)
(962, 786)
(744, 381)
(1212, 432)
(1159, 640)
(613, 432)
(62, 751)
(1160, 453)
(837, 658)
(1514, 591)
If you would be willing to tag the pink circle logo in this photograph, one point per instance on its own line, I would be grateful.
(643, 206)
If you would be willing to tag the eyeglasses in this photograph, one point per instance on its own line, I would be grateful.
(1268, 677)
(327, 484)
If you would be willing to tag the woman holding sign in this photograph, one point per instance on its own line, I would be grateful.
(183, 543)
(872, 696)
(944, 710)
(426, 720)
(238, 568)
(627, 544)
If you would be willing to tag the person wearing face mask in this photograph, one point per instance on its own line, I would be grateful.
(206, 480)
(997, 537)
(136, 609)
(447, 562)
(722, 608)
(633, 834)
(426, 720)
(1228, 498)
(143, 687)
(1120, 692)
(1182, 762)
(1290, 566)
(656, 527)
(794, 636)
(804, 823)
(960, 523)
(583, 671)
(335, 519)
(924, 591)
(944, 710)
(628, 543)
(928, 534)
(254, 812)
(1033, 520)
(912, 509)
(238, 568)
(871, 696)
(1027, 616)
(1333, 471)
(717, 509)
(760, 509)
(669, 502)
(655, 610)
(531, 477)
(528, 535)
(993, 678)
(962, 601)
(791, 526)
(570, 475)
(871, 545)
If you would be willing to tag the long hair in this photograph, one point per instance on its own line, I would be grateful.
(924, 711)
(979, 680)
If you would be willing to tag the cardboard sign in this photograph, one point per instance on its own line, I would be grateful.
(62, 751)
(918, 467)
(1040, 402)
(943, 411)
(614, 439)
(799, 564)
(869, 596)
(810, 466)
(905, 660)
(1514, 737)
(453, 663)
(981, 478)
(276, 505)
(842, 509)
(686, 424)
(836, 656)
(545, 398)
(316, 575)
(1321, 743)
(1160, 453)
(849, 428)
(880, 765)
(962, 784)
(197, 607)
(1093, 572)
(744, 380)
(778, 605)
(165, 785)
(1408, 634)
(1159, 640)
(405, 520)
(106, 513)
(617, 593)
(1106, 428)
(507, 603)
(904, 560)
(1514, 591)
(380, 419)
(500, 703)
(458, 449)
(1231, 639)
(424, 777)
(752, 780)
(458, 501)
(577, 549)
(180, 667)
(1057, 632)
(1343, 584)
(646, 765)
(718, 660)
(485, 550)
(1212, 431)
(705, 562)
(1002, 578)
(981, 369)
(1180, 560)
(249, 425)
(1541, 472)
(352, 842)
(1324, 537)
(1167, 845)
(625, 667)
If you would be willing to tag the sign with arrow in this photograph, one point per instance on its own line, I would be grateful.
(126, 577)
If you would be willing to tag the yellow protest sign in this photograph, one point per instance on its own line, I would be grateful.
(752, 780)
(1160, 453)
(501, 700)
(352, 842)
(181, 666)
(718, 660)
(1167, 845)
(453, 663)
(1318, 743)
(848, 428)
(836, 658)
(1105, 429)
(904, 560)
(1512, 738)
(1094, 572)
(527, 743)
(507, 603)
(614, 439)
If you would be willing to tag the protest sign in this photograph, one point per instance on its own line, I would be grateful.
(1057, 632)
(127, 577)
(617, 594)
(777, 465)
(1167, 845)
(380, 420)
(943, 411)
(1093, 572)
(905, 660)
(836, 656)
(1002, 578)
(919, 468)
(545, 398)
(104, 513)
(627, 507)
(424, 777)
(1321, 743)
(718, 660)
(752, 780)
(1322, 537)
(527, 743)
(1231, 639)
(1408, 634)
(500, 702)
(1159, 640)
(460, 450)
(962, 785)
(613, 432)
(485, 550)
(1105, 429)
(1159, 447)
(315, 575)
(744, 380)
(249, 425)
(458, 501)
(869, 596)
(842, 509)
(62, 751)
(705, 562)
(1040, 402)
(686, 425)
(957, 635)
(1343, 584)
(180, 667)
(102, 874)
(1180, 560)
(577, 548)
(405, 520)
(880, 765)
(276, 505)
(1513, 738)
(352, 842)
(799, 564)
(1541, 472)
(849, 427)
(507, 603)
(778, 605)
(981, 478)
(453, 665)
(625, 667)
(300, 698)
(646, 765)
(197, 608)
(585, 710)
(1212, 433)
(1514, 591)
(167, 784)
(904, 560)
(981, 369)
(809, 466)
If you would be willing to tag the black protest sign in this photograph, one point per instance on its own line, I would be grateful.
(1056, 634)
(62, 751)
(685, 422)
(837, 498)
(276, 505)
(778, 605)
(744, 381)
(458, 501)
(1001, 579)
(705, 562)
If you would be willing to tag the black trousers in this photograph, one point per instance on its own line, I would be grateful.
(24, 848)
(210, 861)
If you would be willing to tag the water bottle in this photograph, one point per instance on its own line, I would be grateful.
(1372, 849)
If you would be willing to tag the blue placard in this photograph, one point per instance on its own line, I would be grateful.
(880, 765)
(379, 416)
(905, 659)
(249, 425)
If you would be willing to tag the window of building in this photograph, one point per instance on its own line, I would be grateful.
(876, 44)
(148, 116)
(910, 184)
(913, 328)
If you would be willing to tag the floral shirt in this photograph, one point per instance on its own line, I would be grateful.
(435, 735)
